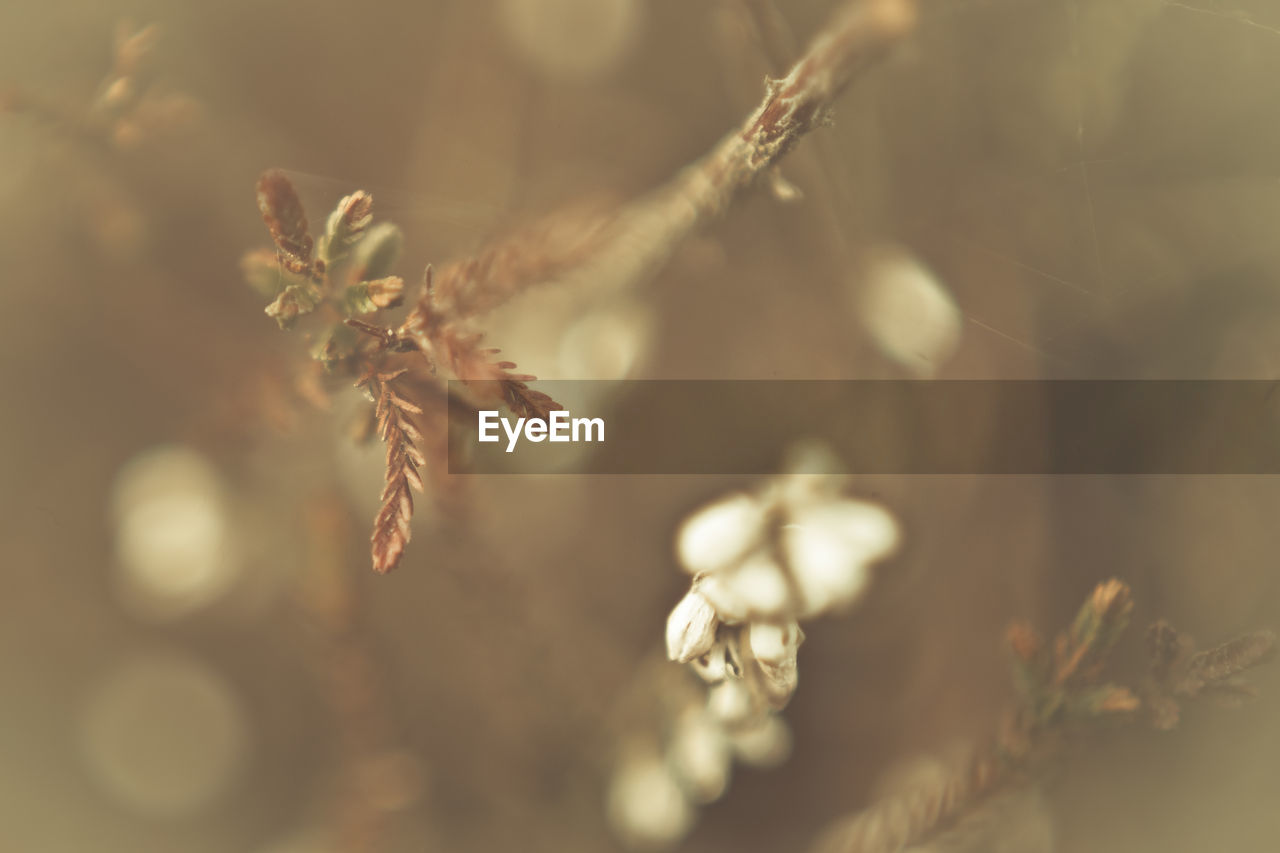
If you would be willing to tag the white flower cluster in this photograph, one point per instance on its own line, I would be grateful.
(761, 562)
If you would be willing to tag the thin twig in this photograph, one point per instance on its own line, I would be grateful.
(1061, 695)
(634, 243)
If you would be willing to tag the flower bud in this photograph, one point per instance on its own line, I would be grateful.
(720, 591)
(759, 584)
(717, 535)
(691, 628)
(777, 682)
(829, 546)
(773, 643)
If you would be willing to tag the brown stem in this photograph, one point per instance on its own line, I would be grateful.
(644, 234)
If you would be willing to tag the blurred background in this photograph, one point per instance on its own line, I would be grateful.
(194, 654)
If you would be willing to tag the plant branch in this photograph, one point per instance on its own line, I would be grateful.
(625, 247)
(1061, 695)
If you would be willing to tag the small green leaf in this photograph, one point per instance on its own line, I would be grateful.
(1107, 700)
(376, 255)
(294, 301)
(365, 297)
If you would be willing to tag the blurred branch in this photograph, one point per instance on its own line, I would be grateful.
(857, 36)
(127, 109)
(1061, 694)
(633, 243)
(332, 281)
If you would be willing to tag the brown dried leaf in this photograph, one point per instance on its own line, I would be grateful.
(545, 250)
(392, 525)
(494, 380)
(286, 220)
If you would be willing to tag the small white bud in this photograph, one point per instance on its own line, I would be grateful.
(829, 546)
(723, 595)
(772, 643)
(717, 535)
(759, 585)
(766, 743)
(691, 628)
(700, 755)
(729, 701)
(647, 806)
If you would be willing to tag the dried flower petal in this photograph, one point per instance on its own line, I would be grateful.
(691, 628)
(778, 681)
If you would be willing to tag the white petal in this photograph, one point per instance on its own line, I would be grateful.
(775, 643)
(723, 595)
(759, 584)
(829, 547)
(717, 535)
(691, 628)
